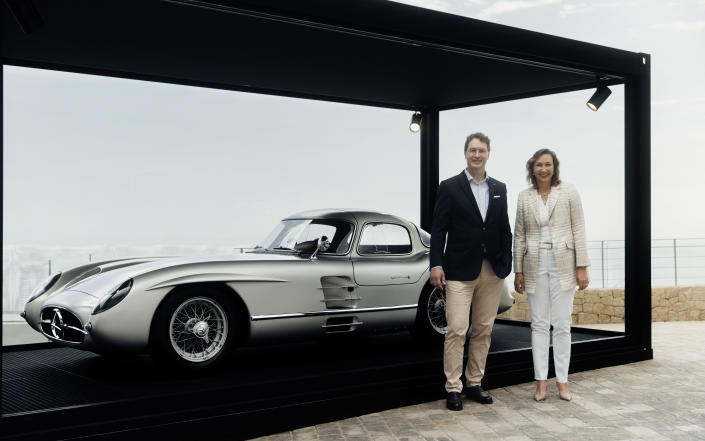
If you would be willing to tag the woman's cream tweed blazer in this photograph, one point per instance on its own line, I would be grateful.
(567, 226)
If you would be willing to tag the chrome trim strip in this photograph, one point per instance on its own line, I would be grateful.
(347, 299)
(331, 312)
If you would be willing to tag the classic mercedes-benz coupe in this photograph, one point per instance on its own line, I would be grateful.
(318, 272)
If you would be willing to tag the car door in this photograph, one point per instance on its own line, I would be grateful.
(336, 293)
(319, 286)
(330, 270)
(386, 266)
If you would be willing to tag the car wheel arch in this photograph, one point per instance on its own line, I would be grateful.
(242, 314)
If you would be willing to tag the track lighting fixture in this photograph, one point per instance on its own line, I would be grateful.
(598, 97)
(415, 125)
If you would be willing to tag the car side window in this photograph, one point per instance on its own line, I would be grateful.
(339, 233)
(384, 238)
(314, 231)
(343, 245)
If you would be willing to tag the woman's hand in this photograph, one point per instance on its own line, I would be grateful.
(581, 276)
(519, 283)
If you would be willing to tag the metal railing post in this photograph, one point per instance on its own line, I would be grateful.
(605, 263)
(602, 261)
(675, 264)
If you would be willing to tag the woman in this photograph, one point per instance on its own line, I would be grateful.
(550, 258)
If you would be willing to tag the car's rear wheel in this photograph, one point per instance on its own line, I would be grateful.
(193, 329)
(431, 314)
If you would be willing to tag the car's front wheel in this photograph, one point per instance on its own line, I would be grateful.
(431, 314)
(193, 329)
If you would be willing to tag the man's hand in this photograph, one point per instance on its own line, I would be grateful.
(519, 283)
(438, 278)
(581, 276)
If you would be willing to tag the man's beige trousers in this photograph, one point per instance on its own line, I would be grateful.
(483, 294)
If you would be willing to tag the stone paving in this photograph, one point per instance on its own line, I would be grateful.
(660, 399)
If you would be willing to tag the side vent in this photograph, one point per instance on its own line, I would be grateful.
(337, 325)
(339, 292)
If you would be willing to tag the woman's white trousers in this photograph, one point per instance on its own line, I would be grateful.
(550, 306)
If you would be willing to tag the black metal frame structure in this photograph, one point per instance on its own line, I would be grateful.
(365, 52)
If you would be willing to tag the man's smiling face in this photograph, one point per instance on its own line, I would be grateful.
(477, 154)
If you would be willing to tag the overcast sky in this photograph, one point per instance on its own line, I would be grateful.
(103, 161)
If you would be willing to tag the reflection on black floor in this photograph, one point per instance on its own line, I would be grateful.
(45, 379)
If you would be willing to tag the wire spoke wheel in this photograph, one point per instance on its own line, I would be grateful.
(198, 329)
(436, 311)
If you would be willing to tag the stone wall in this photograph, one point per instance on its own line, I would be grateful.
(606, 305)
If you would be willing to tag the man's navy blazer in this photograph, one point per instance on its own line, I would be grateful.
(458, 217)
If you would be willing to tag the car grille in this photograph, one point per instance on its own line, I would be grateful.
(61, 324)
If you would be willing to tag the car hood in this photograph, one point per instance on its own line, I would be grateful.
(219, 267)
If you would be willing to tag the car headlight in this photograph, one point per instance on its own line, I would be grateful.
(44, 286)
(113, 298)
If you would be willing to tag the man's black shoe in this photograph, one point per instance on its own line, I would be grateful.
(453, 401)
(476, 393)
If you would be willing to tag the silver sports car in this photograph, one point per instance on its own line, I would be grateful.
(318, 272)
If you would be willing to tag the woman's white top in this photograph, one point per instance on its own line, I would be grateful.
(543, 221)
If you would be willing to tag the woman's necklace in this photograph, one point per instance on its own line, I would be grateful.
(544, 196)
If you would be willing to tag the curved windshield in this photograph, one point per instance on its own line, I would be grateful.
(302, 235)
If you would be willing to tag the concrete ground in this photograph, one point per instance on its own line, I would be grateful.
(660, 399)
(16, 331)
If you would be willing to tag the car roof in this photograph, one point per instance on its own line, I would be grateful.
(350, 214)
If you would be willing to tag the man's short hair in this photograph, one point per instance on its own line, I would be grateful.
(479, 135)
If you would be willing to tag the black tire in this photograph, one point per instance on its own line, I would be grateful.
(430, 321)
(193, 329)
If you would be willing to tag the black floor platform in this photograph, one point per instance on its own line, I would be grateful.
(64, 393)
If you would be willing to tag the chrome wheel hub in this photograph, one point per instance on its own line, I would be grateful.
(201, 329)
(198, 329)
(190, 324)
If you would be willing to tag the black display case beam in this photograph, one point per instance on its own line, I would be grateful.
(637, 197)
(429, 165)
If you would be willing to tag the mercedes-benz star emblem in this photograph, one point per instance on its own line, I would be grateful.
(57, 325)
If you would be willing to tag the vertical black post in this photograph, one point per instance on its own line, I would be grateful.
(429, 166)
(637, 216)
(2, 179)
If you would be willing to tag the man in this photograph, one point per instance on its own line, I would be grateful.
(471, 209)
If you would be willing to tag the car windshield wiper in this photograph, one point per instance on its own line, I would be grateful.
(283, 248)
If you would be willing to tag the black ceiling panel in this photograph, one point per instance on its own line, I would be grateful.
(369, 52)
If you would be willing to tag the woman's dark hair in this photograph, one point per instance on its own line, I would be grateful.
(531, 179)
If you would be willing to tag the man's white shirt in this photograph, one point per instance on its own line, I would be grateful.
(481, 191)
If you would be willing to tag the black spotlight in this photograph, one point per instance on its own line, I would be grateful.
(415, 125)
(598, 98)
